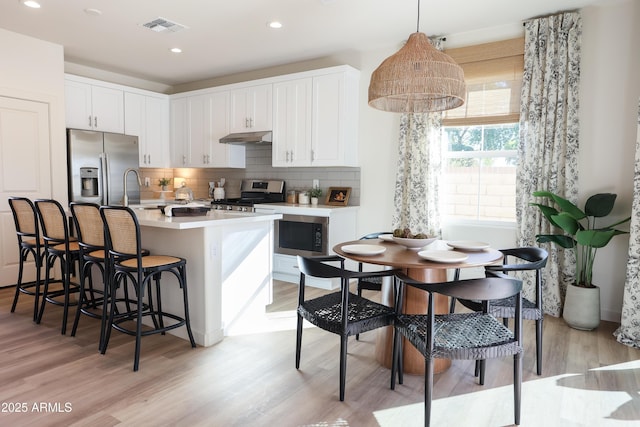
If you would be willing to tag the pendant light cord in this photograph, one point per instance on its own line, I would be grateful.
(418, 23)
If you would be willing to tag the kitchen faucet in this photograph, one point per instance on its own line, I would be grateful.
(125, 198)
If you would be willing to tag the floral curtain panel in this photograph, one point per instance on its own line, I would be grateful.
(549, 129)
(629, 331)
(419, 167)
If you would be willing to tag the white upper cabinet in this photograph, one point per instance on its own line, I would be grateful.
(251, 109)
(292, 123)
(198, 122)
(334, 122)
(315, 119)
(147, 117)
(93, 107)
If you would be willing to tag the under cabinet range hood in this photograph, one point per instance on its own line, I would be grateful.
(261, 137)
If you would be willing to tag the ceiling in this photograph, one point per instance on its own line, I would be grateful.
(232, 36)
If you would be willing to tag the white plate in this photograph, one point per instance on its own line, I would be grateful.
(443, 256)
(468, 245)
(386, 237)
(364, 249)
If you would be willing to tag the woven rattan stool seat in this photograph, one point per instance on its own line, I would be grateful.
(151, 261)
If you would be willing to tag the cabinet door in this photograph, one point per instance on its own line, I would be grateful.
(260, 107)
(334, 136)
(146, 117)
(77, 103)
(179, 132)
(250, 109)
(156, 131)
(107, 106)
(223, 155)
(292, 123)
(327, 112)
(198, 154)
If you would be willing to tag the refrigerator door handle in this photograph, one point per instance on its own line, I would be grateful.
(104, 161)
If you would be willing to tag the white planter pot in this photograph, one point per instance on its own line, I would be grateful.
(582, 307)
(314, 201)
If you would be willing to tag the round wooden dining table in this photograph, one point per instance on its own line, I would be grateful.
(415, 300)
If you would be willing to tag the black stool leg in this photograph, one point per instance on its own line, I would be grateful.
(183, 284)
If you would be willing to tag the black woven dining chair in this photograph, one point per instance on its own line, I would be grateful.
(523, 259)
(468, 336)
(341, 312)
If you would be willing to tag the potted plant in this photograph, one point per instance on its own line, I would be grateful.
(315, 193)
(163, 183)
(580, 233)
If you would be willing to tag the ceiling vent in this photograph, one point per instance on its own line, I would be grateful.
(161, 25)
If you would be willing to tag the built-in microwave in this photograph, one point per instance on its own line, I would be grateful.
(303, 235)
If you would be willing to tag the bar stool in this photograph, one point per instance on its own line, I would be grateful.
(58, 246)
(125, 260)
(29, 243)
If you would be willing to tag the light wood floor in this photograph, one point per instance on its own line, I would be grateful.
(250, 380)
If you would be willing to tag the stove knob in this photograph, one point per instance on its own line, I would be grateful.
(243, 209)
(229, 208)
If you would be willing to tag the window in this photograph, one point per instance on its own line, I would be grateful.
(481, 137)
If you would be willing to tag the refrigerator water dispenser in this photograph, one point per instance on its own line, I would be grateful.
(89, 182)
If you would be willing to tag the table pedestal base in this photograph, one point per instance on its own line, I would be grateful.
(415, 302)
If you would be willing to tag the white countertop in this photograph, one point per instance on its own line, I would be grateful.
(155, 218)
(291, 209)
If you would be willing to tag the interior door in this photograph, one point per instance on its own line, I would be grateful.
(24, 170)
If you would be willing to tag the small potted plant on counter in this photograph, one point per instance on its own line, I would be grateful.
(315, 193)
(580, 233)
(163, 183)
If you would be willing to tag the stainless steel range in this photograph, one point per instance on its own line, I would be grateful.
(253, 192)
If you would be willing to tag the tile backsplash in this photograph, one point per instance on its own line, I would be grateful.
(258, 166)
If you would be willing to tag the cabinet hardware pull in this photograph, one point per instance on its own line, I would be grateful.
(89, 121)
(246, 122)
(95, 121)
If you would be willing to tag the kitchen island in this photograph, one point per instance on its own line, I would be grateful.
(229, 273)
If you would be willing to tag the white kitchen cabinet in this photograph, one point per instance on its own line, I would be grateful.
(94, 107)
(198, 122)
(334, 122)
(292, 123)
(147, 117)
(315, 120)
(251, 109)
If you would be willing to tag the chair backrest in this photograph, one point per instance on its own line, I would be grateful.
(536, 259)
(480, 289)
(24, 217)
(122, 231)
(53, 221)
(374, 235)
(316, 268)
(88, 223)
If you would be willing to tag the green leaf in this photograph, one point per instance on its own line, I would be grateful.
(561, 240)
(564, 204)
(547, 211)
(595, 238)
(600, 205)
(567, 222)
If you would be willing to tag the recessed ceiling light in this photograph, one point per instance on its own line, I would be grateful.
(32, 4)
(176, 50)
(94, 12)
(274, 24)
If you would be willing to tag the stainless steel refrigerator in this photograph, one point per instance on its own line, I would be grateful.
(96, 164)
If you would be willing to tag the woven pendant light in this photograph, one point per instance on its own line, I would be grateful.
(417, 79)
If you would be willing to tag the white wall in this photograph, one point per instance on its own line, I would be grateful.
(609, 97)
(33, 69)
(610, 84)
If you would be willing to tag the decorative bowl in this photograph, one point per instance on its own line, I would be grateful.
(413, 244)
